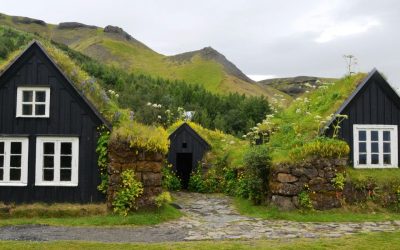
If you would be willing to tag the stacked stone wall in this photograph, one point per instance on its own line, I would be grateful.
(314, 176)
(146, 165)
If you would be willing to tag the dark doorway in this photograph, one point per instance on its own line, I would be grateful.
(184, 168)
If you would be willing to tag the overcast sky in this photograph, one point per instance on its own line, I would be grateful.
(264, 38)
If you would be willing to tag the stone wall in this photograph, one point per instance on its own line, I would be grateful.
(147, 167)
(288, 180)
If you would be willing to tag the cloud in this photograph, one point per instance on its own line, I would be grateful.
(345, 29)
(261, 77)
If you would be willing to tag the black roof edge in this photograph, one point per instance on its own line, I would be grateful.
(373, 72)
(185, 124)
(91, 106)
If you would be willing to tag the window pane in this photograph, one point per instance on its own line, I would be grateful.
(65, 175)
(15, 174)
(1, 147)
(40, 109)
(386, 135)
(48, 161)
(1, 161)
(362, 135)
(48, 148)
(66, 148)
(374, 135)
(374, 147)
(66, 161)
(362, 159)
(363, 147)
(27, 109)
(1, 174)
(386, 147)
(386, 159)
(16, 147)
(15, 161)
(27, 96)
(40, 96)
(48, 174)
(374, 159)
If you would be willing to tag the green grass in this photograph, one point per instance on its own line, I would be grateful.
(370, 212)
(306, 116)
(145, 217)
(361, 241)
(381, 177)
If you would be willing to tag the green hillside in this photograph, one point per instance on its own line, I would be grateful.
(115, 47)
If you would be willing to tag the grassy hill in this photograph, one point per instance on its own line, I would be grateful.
(114, 46)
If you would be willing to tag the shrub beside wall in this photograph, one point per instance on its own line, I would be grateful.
(146, 166)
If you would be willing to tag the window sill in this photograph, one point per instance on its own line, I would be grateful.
(13, 184)
(56, 184)
(33, 117)
(375, 167)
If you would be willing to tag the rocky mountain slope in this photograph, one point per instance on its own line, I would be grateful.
(114, 46)
(296, 86)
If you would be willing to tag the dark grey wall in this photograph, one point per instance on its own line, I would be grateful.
(376, 103)
(70, 115)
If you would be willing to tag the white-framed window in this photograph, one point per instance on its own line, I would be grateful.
(57, 161)
(13, 161)
(375, 146)
(33, 102)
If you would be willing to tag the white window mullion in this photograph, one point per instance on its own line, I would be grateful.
(368, 139)
(380, 147)
(7, 146)
(57, 158)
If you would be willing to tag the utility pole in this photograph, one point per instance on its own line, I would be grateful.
(351, 61)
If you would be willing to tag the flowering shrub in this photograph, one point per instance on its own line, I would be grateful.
(130, 189)
(169, 179)
(163, 199)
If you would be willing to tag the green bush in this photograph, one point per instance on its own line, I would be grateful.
(130, 189)
(169, 179)
(196, 181)
(163, 199)
(321, 147)
(254, 183)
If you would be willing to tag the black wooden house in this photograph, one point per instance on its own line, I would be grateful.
(371, 130)
(187, 149)
(48, 134)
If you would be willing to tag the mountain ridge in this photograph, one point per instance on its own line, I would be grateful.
(114, 46)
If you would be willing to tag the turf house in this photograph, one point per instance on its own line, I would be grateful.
(187, 149)
(371, 129)
(48, 134)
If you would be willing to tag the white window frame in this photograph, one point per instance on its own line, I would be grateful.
(24, 161)
(57, 156)
(20, 102)
(380, 129)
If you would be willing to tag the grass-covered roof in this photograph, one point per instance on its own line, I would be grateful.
(303, 120)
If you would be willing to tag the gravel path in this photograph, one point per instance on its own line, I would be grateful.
(207, 217)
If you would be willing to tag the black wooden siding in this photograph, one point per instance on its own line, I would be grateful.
(376, 103)
(195, 145)
(70, 115)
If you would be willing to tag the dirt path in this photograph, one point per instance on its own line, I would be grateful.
(207, 217)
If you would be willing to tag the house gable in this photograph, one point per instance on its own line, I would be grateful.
(70, 116)
(374, 102)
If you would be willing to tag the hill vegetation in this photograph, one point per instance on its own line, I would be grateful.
(115, 47)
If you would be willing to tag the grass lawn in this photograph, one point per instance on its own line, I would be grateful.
(380, 176)
(370, 212)
(362, 241)
(68, 218)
